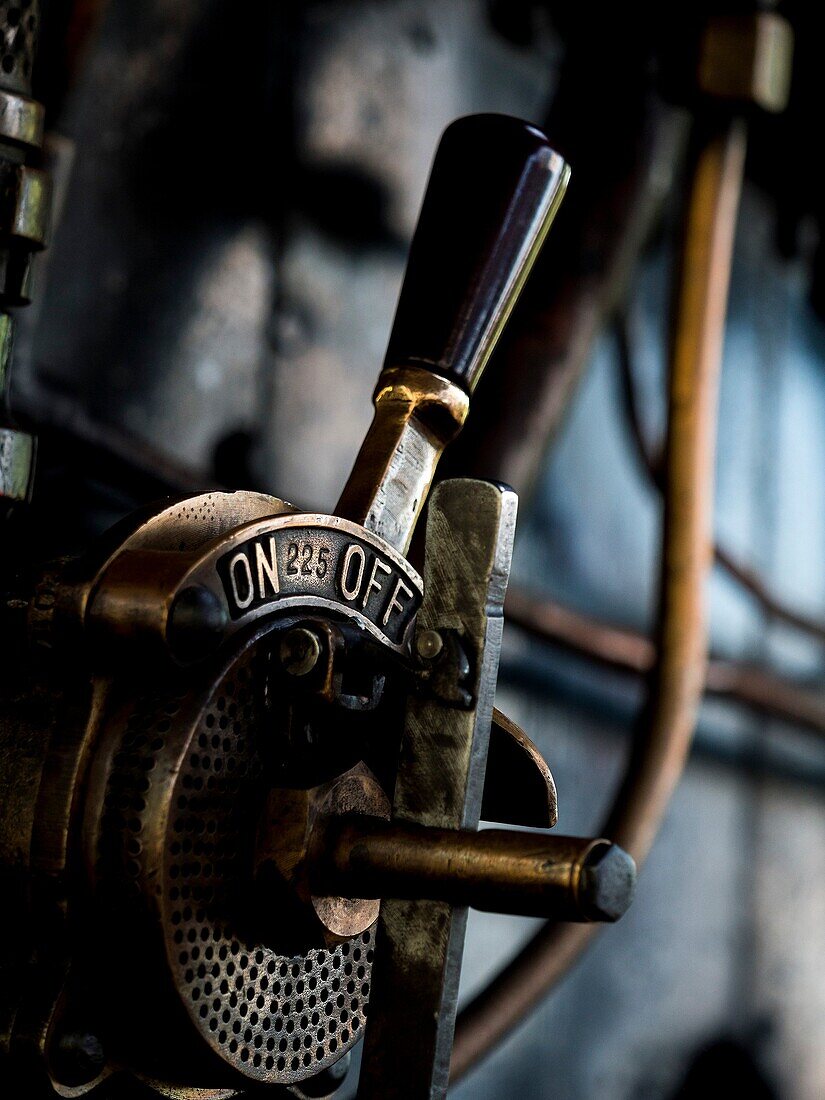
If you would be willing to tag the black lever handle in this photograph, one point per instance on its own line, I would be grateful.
(494, 188)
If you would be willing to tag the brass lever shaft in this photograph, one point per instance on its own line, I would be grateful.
(496, 870)
(494, 189)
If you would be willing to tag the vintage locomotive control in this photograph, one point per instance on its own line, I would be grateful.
(244, 747)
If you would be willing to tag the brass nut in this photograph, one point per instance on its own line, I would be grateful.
(17, 449)
(748, 58)
(428, 644)
(300, 651)
(21, 119)
(291, 839)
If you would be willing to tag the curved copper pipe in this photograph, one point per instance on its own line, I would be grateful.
(668, 720)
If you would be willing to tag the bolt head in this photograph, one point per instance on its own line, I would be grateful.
(300, 651)
(197, 623)
(607, 883)
(429, 644)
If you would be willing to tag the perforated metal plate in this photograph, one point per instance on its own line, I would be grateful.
(183, 791)
(18, 37)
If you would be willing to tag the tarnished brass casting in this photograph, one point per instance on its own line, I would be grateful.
(531, 874)
(519, 788)
(25, 196)
(27, 216)
(292, 838)
(17, 450)
(242, 669)
(25, 208)
(188, 853)
(21, 119)
(25, 205)
(439, 782)
(192, 574)
(417, 413)
(748, 58)
(17, 447)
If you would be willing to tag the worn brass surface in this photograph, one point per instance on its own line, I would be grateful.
(528, 874)
(25, 191)
(748, 57)
(17, 450)
(470, 530)
(183, 752)
(519, 788)
(173, 531)
(29, 216)
(247, 572)
(21, 119)
(177, 791)
(189, 806)
(149, 860)
(17, 447)
(289, 833)
(417, 413)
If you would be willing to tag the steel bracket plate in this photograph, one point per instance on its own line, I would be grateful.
(440, 781)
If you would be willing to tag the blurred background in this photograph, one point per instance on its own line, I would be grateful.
(237, 184)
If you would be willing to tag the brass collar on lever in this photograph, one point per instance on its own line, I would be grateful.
(417, 413)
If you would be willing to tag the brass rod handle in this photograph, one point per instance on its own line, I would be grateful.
(496, 870)
(494, 188)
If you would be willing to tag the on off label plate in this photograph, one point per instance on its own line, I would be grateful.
(328, 563)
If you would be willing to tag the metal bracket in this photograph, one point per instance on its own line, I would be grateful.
(470, 530)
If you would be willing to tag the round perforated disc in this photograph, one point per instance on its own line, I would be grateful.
(180, 808)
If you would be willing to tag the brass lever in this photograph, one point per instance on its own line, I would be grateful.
(494, 190)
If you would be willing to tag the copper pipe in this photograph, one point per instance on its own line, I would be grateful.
(650, 458)
(630, 652)
(668, 720)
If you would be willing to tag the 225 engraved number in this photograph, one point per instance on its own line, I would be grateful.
(301, 559)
